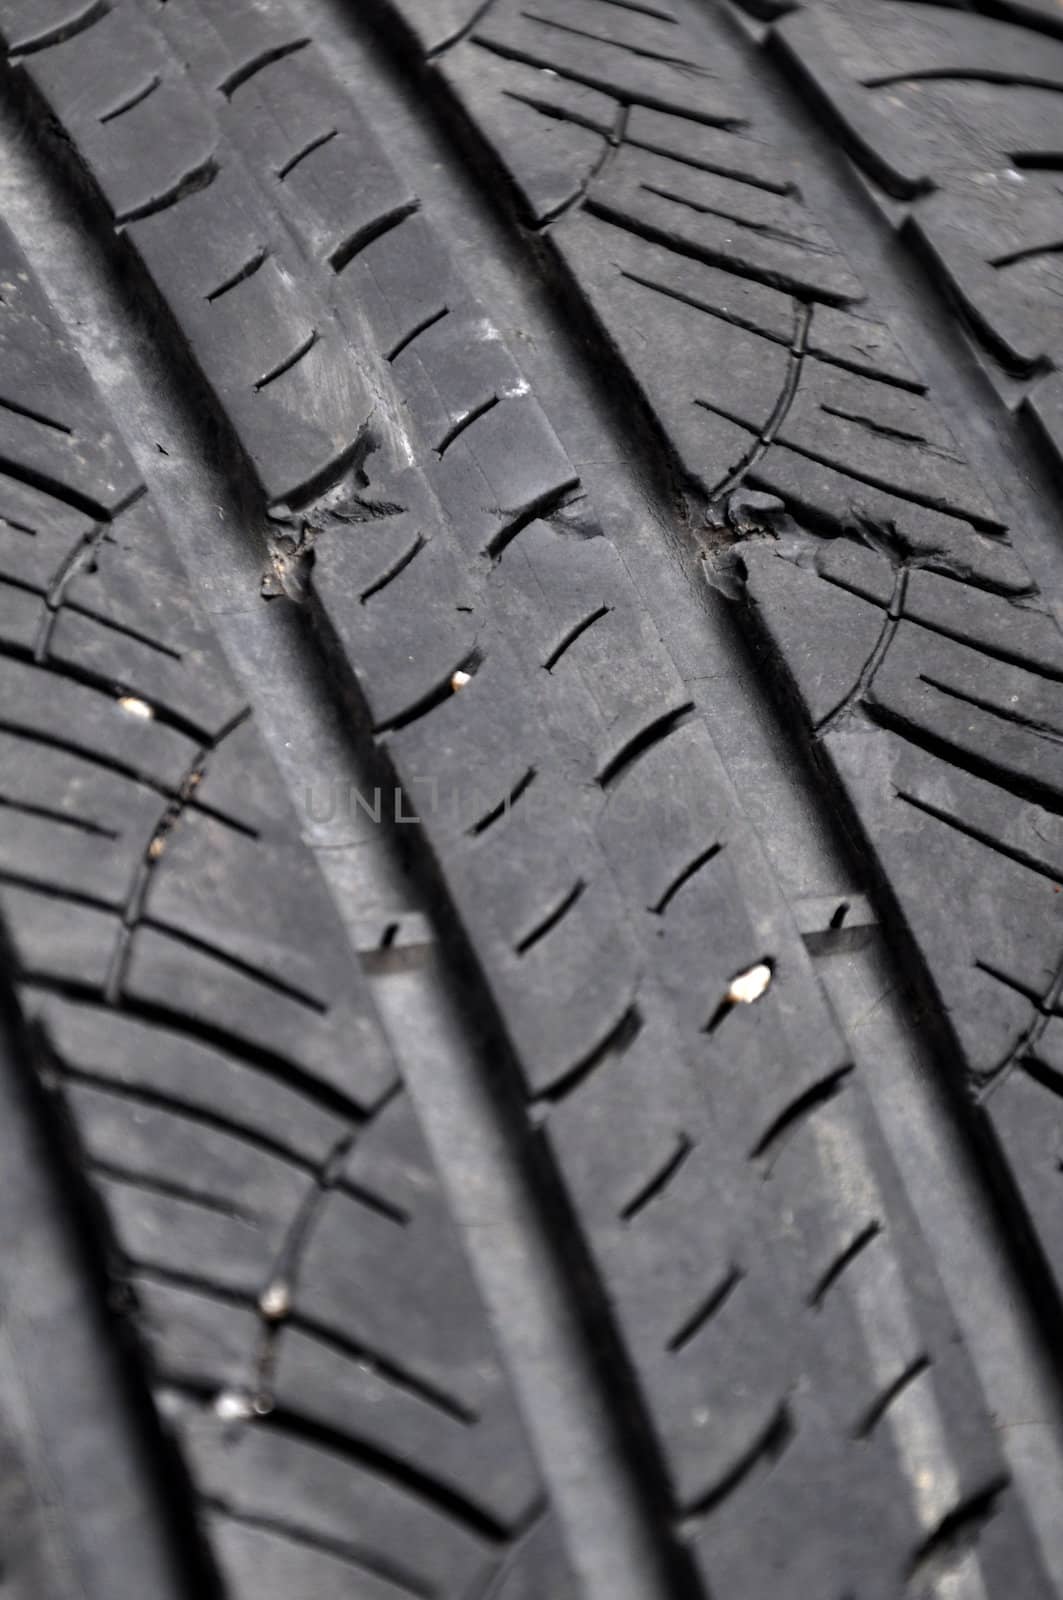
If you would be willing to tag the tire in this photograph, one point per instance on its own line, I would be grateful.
(530, 814)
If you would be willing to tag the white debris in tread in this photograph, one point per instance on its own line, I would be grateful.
(133, 707)
(750, 985)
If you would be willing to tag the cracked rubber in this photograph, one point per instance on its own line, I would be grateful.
(333, 1409)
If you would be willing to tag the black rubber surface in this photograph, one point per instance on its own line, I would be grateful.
(320, 1393)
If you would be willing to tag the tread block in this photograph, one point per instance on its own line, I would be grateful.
(144, 1061)
(505, 468)
(49, 429)
(725, 222)
(340, 1048)
(164, 1147)
(187, 1238)
(275, 1563)
(1025, 1118)
(552, 133)
(56, 939)
(633, 57)
(304, 132)
(991, 926)
(318, 1495)
(928, 102)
